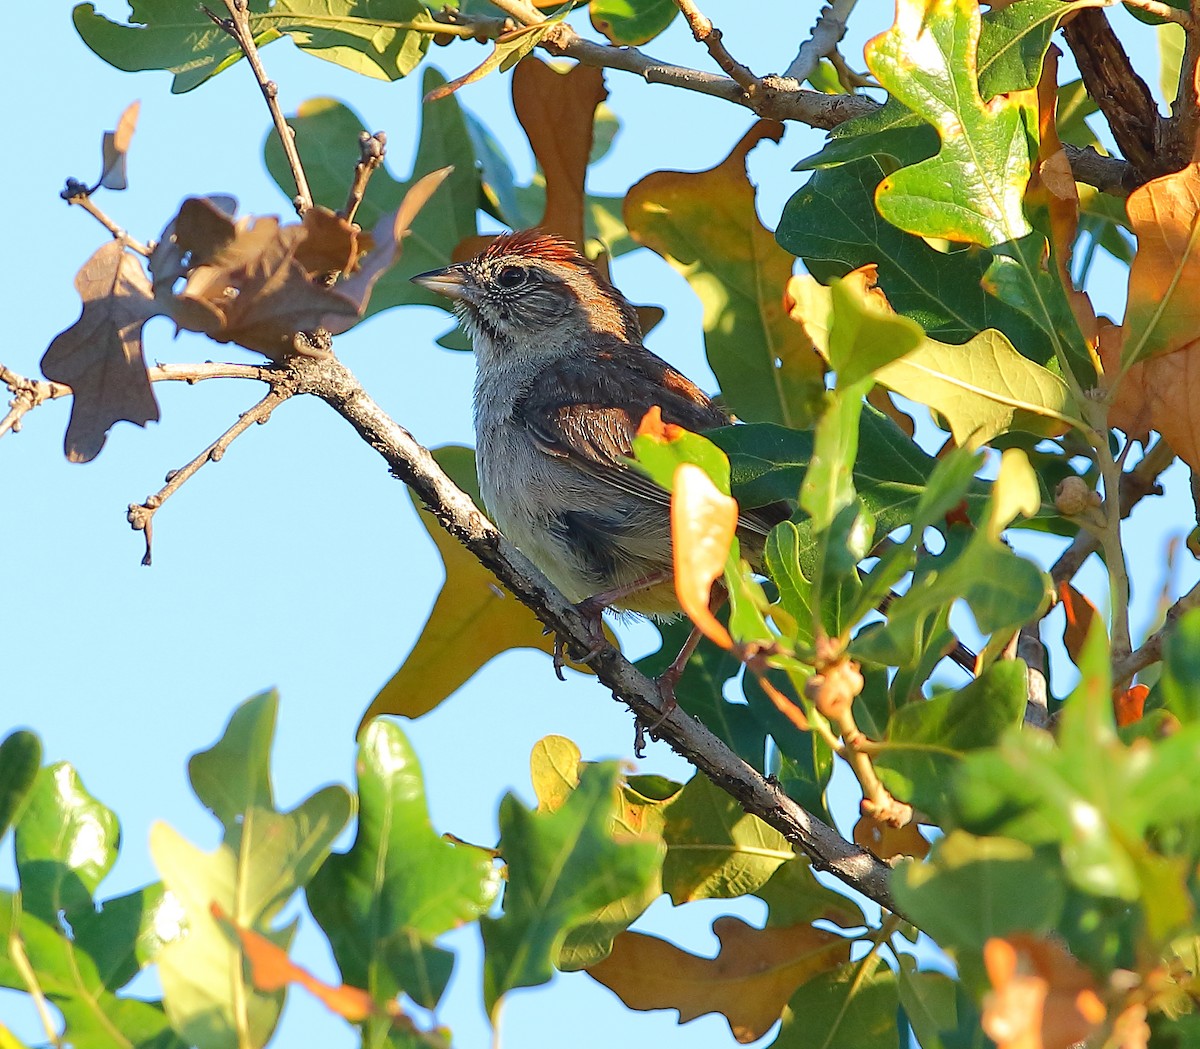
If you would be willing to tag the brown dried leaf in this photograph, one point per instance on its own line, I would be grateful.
(1052, 186)
(100, 355)
(749, 981)
(557, 111)
(388, 235)
(115, 146)
(1172, 391)
(1130, 409)
(1042, 998)
(1163, 314)
(244, 282)
(331, 244)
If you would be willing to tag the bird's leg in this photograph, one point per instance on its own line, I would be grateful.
(669, 678)
(593, 608)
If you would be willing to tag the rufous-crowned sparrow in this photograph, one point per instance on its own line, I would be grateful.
(562, 383)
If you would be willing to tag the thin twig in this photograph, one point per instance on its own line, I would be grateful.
(330, 380)
(711, 37)
(141, 515)
(27, 395)
(237, 25)
(371, 151)
(822, 41)
(850, 79)
(77, 193)
(1151, 650)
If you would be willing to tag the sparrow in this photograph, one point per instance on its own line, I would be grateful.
(562, 382)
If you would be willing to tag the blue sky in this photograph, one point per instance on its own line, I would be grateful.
(297, 562)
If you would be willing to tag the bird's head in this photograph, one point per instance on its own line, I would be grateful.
(532, 290)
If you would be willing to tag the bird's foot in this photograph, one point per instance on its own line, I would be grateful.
(592, 610)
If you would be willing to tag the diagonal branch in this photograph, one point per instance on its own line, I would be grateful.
(712, 38)
(1123, 97)
(141, 515)
(824, 39)
(1151, 650)
(330, 380)
(237, 25)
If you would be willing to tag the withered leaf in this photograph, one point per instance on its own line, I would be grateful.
(115, 147)
(557, 111)
(388, 236)
(244, 283)
(100, 355)
(749, 981)
(331, 244)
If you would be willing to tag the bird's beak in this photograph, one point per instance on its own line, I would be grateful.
(451, 282)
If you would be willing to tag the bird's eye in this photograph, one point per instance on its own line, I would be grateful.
(510, 277)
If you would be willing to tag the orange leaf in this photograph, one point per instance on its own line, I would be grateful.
(1042, 998)
(272, 970)
(703, 523)
(749, 981)
(1080, 615)
(1130, 704)
(1130, 409)
(557, 111)
(1164, 281)
(887, 841)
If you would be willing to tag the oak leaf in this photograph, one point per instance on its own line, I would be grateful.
(1041, 997)
(749, 981)
(703, 524)
(114, 148)
(100, 355)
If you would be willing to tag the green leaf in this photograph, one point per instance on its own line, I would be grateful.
(66, 843)
(833, 220)
(20, 758)
(562, 867)
(851, 1007)
(1013, 42)
(401, 885)
(265, 856)
(865, 334)
(715, 849)
(984, 388)
(929, 1000)
(327, 137)
(658, 459)
(794, 896)
(972, 190)
(370, 37)
(891, 472)
(971, 889)
(700, 692)
(1180, 681)
(926, 740)
(631, 22)
(828, 485)
(81, 953)
(705, 224)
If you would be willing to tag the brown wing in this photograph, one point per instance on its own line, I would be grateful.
(587, 410)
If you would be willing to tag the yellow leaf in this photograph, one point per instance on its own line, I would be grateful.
(749, 981)
(703, 523)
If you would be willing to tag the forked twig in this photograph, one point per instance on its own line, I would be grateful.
(141, 515)
(822, 41)
(371, 151)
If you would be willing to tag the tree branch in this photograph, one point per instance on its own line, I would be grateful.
(141, 515)
(237, 25)
(711, 37)
(1123, 97)
(27, 395)
(330, 380)
(824, 39)
(1151, 650)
